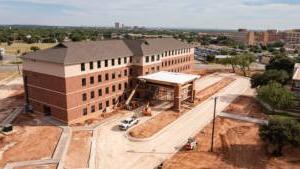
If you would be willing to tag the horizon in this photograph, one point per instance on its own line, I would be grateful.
(172, 14)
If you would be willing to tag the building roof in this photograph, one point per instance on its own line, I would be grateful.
(169, 78)
(78, 52)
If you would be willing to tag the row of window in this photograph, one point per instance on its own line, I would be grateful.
(113, 63)
(107, 90)
(107, 77)
(176, 61)
(100, 106)
(167, 53)
(180, 69)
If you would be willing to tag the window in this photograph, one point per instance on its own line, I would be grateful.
(107, 103)
(147, 59)
(92, 94)
(98, 64)
(93, 108)
(113, 88)
(113, 75)
(99, 92)
(130, 72)
(107, 90)
(120, 74)
(152, 58)
(83, 82)
(125, 85)
(125, 60)
(99, 78)
(157, 57)
(114, 101)
(82, 67)
(106, 76)
(84, 97)
(84, 111)
(130, 59)
(119, 61)
(113, 62)
(125, 72)
(166, 53)
(92, 80)
(91, 65)
(120, 86)
(106, 63)
(100, 106)
(157, 68)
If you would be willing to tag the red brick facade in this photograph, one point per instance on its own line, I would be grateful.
(65, 96)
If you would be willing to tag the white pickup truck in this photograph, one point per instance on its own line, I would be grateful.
(127, 123)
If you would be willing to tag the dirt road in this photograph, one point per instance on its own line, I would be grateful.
(114, 150)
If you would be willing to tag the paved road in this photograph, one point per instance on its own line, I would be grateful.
(115, 151)
(243, 118)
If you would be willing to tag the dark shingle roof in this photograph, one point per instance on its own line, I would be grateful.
(77, 52)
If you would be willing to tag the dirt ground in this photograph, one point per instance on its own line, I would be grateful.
(246, 105)
(31, 139)
(155, 124)
(97, 119)
(4, 75)
(79, 150)
(212, 89)
(7, 105)
(23, 47)
(48, 166)
(236, 145)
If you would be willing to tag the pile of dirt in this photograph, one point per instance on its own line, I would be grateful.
(32, 139)
(246, 105)
(155, 124)
(79, 150)
(236, 145)
(212, 89)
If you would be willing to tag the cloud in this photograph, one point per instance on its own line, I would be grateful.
(232, 14)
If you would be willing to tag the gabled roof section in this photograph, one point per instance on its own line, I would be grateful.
(78, 52)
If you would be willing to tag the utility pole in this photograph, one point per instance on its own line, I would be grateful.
(213, 129)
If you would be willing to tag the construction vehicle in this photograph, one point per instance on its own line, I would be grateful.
(147, 110)
(191, 144)
(127, 106)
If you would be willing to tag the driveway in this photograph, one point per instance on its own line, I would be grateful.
(115, 151)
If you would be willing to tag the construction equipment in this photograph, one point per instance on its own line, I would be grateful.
(147, 110)
(130, 97)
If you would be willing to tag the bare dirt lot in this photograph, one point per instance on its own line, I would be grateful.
(79, 150)
(237, 145)
(212, 89)
(155, 124)
(163, 119)
(248, 106)
(32, 139)
(4, 75)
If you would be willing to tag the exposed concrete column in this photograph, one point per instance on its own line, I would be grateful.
(193, 92)
(177, 97)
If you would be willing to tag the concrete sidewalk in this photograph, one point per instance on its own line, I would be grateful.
(242, 118)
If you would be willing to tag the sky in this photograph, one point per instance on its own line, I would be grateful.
(205, 14)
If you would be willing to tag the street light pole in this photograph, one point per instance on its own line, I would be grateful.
(213, 129)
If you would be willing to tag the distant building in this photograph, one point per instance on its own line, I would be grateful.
(117, 25)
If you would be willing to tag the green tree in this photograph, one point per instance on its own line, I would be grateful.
(282, 63)
(280, 132)
(260, 79)
(276, 95)
(244, 61)
(34, 48)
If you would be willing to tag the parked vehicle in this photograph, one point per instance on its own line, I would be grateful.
(127, 123)
(191, 144)
(160, 166)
